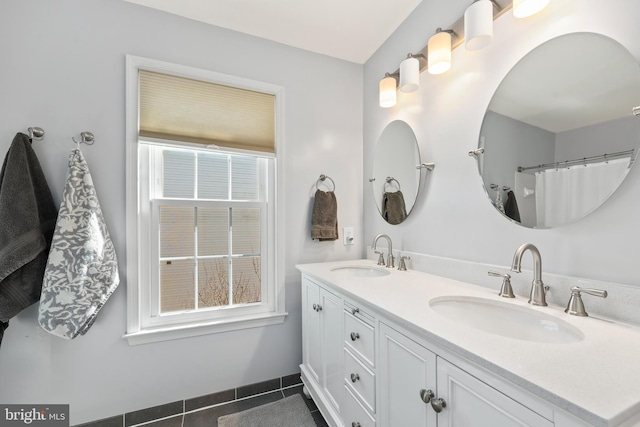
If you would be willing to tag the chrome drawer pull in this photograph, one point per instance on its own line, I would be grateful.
(355, 424)
(354, 336)
(354, 377)
(355, 310)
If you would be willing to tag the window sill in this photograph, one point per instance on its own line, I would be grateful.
(204, 328)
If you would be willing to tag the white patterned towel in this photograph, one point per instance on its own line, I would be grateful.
(82, 269)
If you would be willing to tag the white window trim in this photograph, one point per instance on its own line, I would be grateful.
(136, 332)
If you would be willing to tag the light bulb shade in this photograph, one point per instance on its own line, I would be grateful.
(409, 75)
(387, 92)
(524, 8)
(478, 25)
(439, 53)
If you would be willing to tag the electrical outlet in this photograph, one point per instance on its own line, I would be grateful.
(348, 236)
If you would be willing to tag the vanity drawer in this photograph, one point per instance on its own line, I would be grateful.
(354, 415)
(357, 312)
(360, 379)
(359, 337)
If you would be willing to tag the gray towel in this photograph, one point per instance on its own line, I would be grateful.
(3, 326)
(394, 210)
(511, 207)
(324, 218)
(27, 218)
(82, 269)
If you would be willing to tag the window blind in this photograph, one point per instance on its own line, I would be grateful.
(181, 109)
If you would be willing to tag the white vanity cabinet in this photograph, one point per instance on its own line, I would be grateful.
(367, 368)
(416, 384)
(322, 354)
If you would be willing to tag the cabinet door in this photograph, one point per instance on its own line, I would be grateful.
(312, 354)
(472, 403)
(405, 369)
(330, 315)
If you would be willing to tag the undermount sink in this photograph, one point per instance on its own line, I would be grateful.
(507, 320)
(360, 271)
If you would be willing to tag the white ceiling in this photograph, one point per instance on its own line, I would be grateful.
(346, 29)
(570, 82)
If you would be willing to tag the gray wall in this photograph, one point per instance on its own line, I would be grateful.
(63, 68)
(453, 217)
(615, 135)
(511, 143)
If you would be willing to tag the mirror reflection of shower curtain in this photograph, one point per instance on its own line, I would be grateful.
(566, 194)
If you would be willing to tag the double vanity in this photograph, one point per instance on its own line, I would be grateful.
(389, 348)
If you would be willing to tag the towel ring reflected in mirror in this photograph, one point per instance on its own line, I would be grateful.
(390, 182)
(322, 179)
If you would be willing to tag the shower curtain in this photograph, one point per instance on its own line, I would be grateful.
(567, 194)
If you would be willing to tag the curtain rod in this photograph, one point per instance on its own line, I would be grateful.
(583, 160)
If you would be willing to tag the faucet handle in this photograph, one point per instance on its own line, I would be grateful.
(506, 291)
(402, 266)
(380, 257)
(576, 306)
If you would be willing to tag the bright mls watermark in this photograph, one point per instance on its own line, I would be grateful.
(34, 415)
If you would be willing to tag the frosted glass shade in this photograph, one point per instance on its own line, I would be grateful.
(387, 92)
(524, 8)
(478, 25)
(409, 75)
(439, 53)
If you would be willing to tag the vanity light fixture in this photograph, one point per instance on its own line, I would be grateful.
(525, 8)
(474, 28)
(478, 25)
(388, 90)
(439, 51)
(410, 73)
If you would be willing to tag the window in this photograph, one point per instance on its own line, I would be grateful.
(201, 203)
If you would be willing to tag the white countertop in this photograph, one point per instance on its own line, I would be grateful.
(596, 379)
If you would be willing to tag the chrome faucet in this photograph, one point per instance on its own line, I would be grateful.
(538, 290)
(390, 246)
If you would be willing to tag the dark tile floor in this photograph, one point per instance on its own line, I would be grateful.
(209, 417)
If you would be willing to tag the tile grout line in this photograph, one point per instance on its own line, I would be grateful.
(240, 400)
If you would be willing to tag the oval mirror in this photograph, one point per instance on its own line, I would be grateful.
(395, 179)
(560, 134)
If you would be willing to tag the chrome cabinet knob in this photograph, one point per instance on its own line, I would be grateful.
(355, 424)
(354, 311)
(438, 404)
(426, 395)
(317, 307)
(354, 377)
(354, 336)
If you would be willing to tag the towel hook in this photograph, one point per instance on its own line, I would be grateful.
(36, 133)
(86, 138)
(322, 178)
